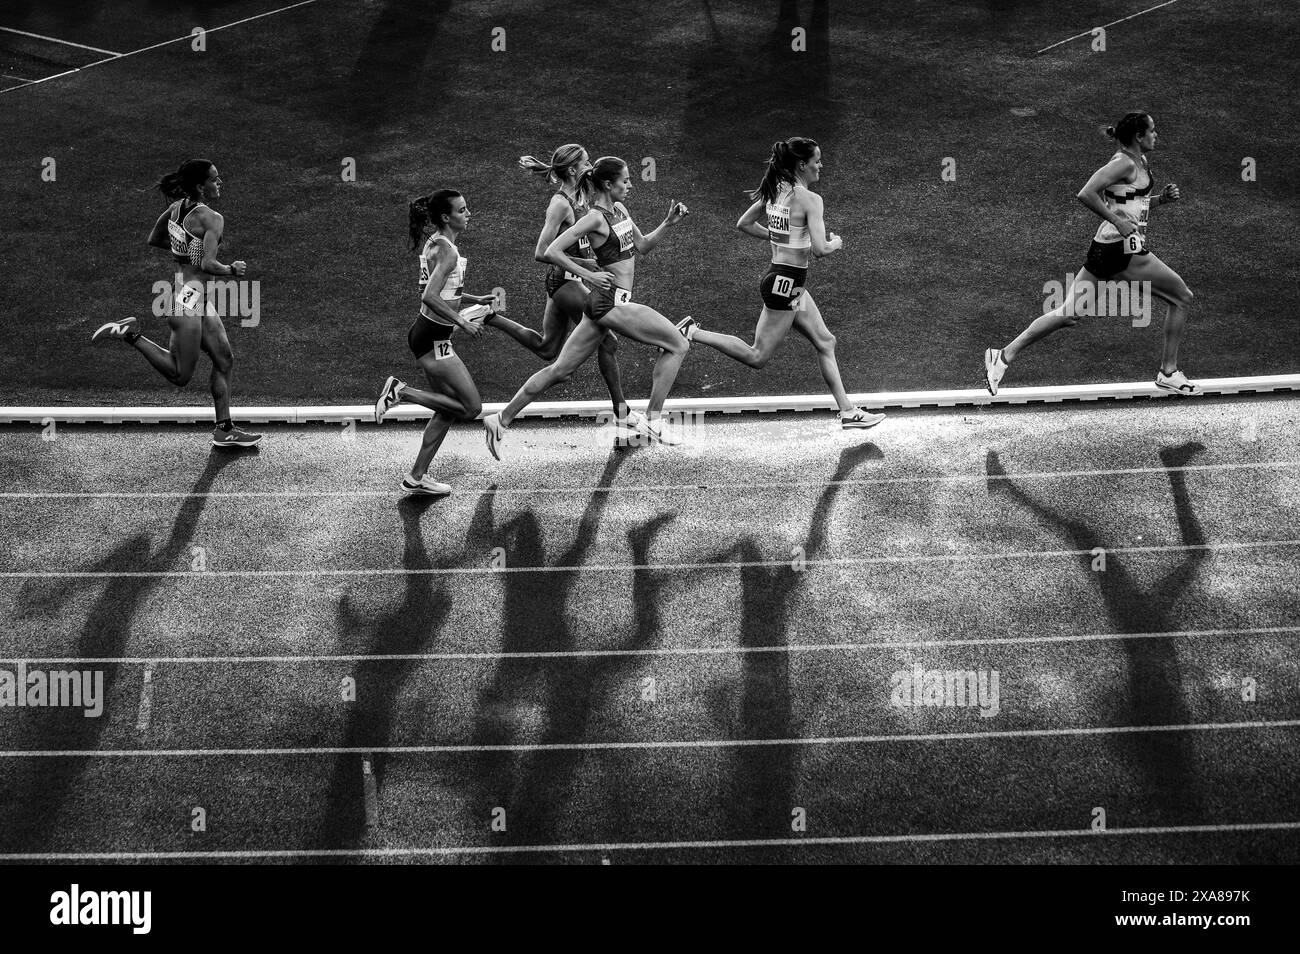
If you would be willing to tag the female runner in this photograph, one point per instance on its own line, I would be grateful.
(436, 223)
(566, 295)
(616, 241)
(797, 231)
(1120, 193)
(191, 231)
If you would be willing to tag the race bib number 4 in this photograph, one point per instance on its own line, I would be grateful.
(442, 350)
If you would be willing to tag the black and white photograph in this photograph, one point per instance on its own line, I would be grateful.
(650, 432)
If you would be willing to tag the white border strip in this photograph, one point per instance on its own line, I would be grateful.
(823, 841)
(1104, 26)
(1078, 731)
(296, 414)
(150, 661)
(356, 572)
(55, 39)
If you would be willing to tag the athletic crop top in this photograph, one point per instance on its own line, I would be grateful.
(451, 288)
(619, 246)
(1129, 202)
(583, 247)
(778, 222)
(186, 247)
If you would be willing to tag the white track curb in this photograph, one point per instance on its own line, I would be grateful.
(192, 414)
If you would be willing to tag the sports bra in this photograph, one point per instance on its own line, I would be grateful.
(186, 247)
(451, 288)
(619, 247)
(1127, 201)
(582, 248)
(779, 231)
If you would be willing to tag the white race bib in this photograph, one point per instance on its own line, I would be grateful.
(622, 296)
(570, 277)
(189, 299)
(1133, 243)
(443, 350)
(778, 223)
(623, 231)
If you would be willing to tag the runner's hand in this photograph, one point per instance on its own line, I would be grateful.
(677, 212)
(472, 328)
(602, 280)
(1170, 193)
(239, 268)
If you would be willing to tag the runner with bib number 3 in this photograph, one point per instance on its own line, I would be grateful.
(795, 228)
(436, 222)
(1120, 193)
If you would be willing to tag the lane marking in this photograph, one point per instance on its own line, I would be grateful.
(823, 840)
(649, 488)
(53, 39)
(1104, 26)
(669, 744)
(666, 651)
(146, 49)
(146, 699)
(634, 567)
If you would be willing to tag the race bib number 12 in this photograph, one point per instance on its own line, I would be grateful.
(443, 349)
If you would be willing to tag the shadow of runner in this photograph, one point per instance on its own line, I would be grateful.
(33, 791)
(1156, 692)
(410, 628)
(763, 778)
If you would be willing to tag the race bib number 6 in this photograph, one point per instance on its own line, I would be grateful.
(1133, 243)
(443, 349)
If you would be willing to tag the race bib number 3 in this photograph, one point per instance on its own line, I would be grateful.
(442, 350)
(622, 296)
(190, 299)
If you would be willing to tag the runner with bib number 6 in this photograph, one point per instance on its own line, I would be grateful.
(1120, 193)
(436, 222)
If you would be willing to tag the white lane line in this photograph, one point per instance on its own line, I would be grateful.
(1104, 26)
(669, 744)
(821, 840)
(649, 488)
(146, 699)
(146, 49)
(54, 39)
(632, 567)
(666, 651)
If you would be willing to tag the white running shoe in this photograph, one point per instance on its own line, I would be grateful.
(661, 431)
(389, 398)
(113, 329)
(633, 421)
(495, 432)
(687, 328)
(1177, 383)
(424, 486)
(994, 368)
(859, 418)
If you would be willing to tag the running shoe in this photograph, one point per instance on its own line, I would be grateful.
(425, 486)
(687, 328)
(389, 398)
(234, 438)
(994, 368)
(660, 431)
(859, 418)
(633, 421)
(113, 329)
(495, 432)
(1177, 383)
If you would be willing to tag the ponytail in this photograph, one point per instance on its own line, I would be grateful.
(562, 160)
(184, 183)
(781, 165)
(428, 210)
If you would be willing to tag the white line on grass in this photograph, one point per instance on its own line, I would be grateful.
(304, 659)
(651, 488)
(630, 567)
(1104, 26)
(146, 49)
(670, 744)
(811, 841)
(54, 39)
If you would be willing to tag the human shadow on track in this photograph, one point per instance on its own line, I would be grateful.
(411, 628)
(550, 702)
(33, 791)
(763, 778)
(1155, 681)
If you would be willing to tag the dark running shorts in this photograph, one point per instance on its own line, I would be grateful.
(424, 334)
(555, 280)
(1107, 259)
(600, 302)
(781, 286)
